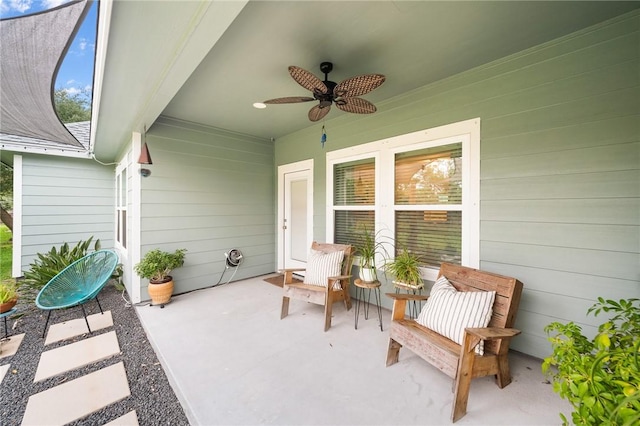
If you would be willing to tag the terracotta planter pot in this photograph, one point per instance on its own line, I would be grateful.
(7, 306)
(160, 293)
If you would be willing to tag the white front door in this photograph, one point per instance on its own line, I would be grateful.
(295, 213)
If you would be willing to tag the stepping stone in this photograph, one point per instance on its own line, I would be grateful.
(3, 371)
(129, 419)
(78, 398)
(75, 355)
(77, 327)
(10, 345)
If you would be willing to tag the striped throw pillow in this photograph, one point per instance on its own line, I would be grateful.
(449, 311)
(321, 266)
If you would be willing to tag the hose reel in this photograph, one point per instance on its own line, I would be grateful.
(234, 258)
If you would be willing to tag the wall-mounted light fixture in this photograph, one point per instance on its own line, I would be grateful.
(145, 157)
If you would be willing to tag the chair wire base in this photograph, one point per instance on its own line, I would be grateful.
(84, 313)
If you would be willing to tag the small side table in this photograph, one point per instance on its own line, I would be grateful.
(4, 316)
(361, 286)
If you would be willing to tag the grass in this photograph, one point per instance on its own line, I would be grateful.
(6, 250)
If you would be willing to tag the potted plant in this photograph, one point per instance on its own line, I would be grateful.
(405, 268)
(600, 377)
(368, 248)
(156, 266)
(8, 296)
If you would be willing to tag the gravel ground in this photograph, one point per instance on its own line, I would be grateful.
(151, 394)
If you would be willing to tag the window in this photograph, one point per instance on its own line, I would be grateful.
(428, 203)
(121, 206)
(419, 191)
(354, 199)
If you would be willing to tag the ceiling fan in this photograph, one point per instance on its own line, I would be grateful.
(344, 94)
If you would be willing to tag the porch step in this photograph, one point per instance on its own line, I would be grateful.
(3, 371)
(75, 355)
(129, 419)
(78, 398)
(10, 345)
(77, 327)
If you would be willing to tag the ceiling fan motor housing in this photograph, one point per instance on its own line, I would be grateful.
(326, 67)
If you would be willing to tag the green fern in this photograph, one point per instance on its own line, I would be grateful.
(405, 267)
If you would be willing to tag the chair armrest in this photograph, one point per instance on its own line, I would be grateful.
(400, 303)
(288, 274)
(333, 282)
(492, 333)
(339, 277)
(403, 296)
(473, 336)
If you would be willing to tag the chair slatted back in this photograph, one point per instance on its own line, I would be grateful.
(508, 292)
(346, 248)
(78, 282)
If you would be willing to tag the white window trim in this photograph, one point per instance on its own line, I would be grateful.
(16, 266)
(122, 166)
(330, 163)
(384, 150)
(135, 224)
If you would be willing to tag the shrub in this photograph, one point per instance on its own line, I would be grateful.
(48, 265)
(599, 377)
(156, 265)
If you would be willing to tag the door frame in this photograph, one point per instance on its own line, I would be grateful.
(282, 171)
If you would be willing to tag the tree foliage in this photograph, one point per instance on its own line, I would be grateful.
(6, 195)
(6, 186)
(72, 108)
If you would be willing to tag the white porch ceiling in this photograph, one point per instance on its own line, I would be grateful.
(208, 62)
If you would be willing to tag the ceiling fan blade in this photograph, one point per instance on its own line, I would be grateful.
(318, 112)
(356, 105)
(289, 100)
(358, 85)
(307, 80)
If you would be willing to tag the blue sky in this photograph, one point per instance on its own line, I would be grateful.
(76, 73)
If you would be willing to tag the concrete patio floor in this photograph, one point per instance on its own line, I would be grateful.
(231, 360)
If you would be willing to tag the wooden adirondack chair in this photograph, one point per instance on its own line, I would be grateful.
(335, 289)
(460, 361)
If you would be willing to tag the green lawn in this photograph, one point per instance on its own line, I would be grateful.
(6, 250)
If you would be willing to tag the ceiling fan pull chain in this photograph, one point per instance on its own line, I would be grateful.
(323, 137)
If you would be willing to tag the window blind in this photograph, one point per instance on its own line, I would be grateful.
(350, 225)
(354, 183)
(435, 236)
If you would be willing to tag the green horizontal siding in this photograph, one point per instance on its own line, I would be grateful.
(210, 191)
(560, 167)
(64, 200)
